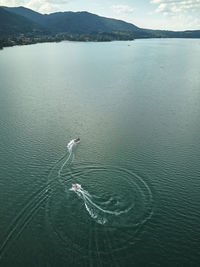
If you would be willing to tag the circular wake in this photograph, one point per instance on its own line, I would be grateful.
(111, 199)
(117, 197)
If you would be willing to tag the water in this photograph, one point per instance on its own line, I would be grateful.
(135, 106)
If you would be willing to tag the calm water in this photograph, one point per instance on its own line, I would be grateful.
(135, 106)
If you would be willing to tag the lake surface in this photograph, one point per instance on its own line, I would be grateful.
(136, 107)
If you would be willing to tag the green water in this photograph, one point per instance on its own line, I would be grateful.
(135, 106)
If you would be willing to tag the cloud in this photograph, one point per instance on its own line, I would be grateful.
(176, 6)
(185, 21)
(61, 2)
(122, 9)
(43, 6)
(181, 12)
(12, 2)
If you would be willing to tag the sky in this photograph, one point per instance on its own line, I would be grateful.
(151, 14)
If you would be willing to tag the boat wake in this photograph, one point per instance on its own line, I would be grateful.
(65, 161)
(115, 196)
(96, 202)
(30, 208)
(101, 210)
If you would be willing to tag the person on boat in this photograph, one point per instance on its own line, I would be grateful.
(76, 186)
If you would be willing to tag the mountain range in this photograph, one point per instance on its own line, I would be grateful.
(21, 20)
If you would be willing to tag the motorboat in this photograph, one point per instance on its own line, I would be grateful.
(73, 142)
(77, 140)
(79, 190)
(76, 187)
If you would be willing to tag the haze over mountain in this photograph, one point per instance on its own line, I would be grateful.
(17, 20)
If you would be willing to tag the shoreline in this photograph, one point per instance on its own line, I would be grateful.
(10, 41)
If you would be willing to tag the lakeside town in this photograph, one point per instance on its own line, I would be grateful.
(26, 39)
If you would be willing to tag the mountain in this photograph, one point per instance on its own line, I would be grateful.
(25, 12)
(173, 34)
(84, 22)
(77, 26)
(74, 22)
(13, 24)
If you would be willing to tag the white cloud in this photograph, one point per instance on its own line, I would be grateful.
(12, 2)
(43, 6)
(61, 2)
(121, 9)
(181, 12)
(177, 6)
(185, 20)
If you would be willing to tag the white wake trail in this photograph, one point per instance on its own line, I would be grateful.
(100, 214)
(70, 158)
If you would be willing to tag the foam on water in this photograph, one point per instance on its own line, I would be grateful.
(106, 200)
(70, 156)
(97, 208)
(70, 145)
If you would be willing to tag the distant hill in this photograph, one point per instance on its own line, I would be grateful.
(84, 22)
(13, 24)
(15, 20)
(74, 22)
(173, 34)
(26, 12)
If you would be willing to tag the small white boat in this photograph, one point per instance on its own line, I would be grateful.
(79, 190)
(77, 140)
(73, 142)
(76, 187)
